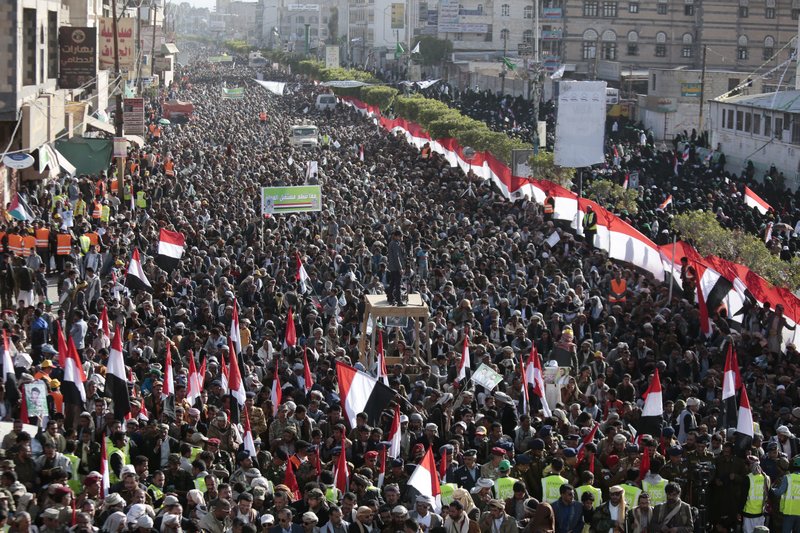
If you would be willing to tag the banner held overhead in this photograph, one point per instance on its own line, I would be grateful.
(580, 123)
(275, 200)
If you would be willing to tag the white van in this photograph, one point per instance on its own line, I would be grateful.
(326, 102)
(304, 136)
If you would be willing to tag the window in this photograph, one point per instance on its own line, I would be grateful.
(743, 12)
(527, 36)
(662, 8)
(589, 44)
(769, 47)
(688, 10)
(609, 9)
(29, 46)
(748, 122)
(730, 119)
(590, 8)
(459, 37)
(795, 132)
(767, 126)
(528, 12)
(769, 13)
(479, 9)
(608, 46)
(778, 128)
(52, 44)
(504, 34)
(654, 82)
(661, 44)
(739, 120)
(741, 49)
(687, 50)
(756, 124)
(633, 7)
(505, 10)
(795, 14)
(633, 43)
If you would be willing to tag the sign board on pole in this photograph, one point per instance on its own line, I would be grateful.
(541, 130)
(120, 147)
(398, 16)
(77, 56)
(331, 56)
(133, 116)
(276, 200)
(580, 123)
(691, 90)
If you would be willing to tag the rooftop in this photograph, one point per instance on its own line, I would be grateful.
(788, 101)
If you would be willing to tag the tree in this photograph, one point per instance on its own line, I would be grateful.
(709, 237)
(432, 51)
(606, 192)
(543, 167)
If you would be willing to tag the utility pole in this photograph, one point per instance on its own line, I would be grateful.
(536, 79)
(153, 3)
(702, 90)
(503, 72)
(118, 114)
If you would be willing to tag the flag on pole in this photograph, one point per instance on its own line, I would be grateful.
(302, 276)
(508, 63)
(105, 483)
(416, 48)
(235, 382)
(169, 375)
(395, 434)
(443, 466)
(586, 440)
(290, 480)
(383, 374)
(307, 377)
(381, 466)
(135, 277)
(666, 203)
(236, 334)
(652, 417)
(290, 339)
(193, 387)
(341, 475)
(534, 376)
(558, 73)
(361, 393)
(223, 371)
(117, 379)
(202, 374)
(644, 465)
(9, 376)
(277, 394)
(171, 245)
(249, 443)
(425, 480)
(23, 408)
(768, 233)
(731, 382)
(18, 209)
(465, 361)
(104, 328)
(72, 388)
(526, 403)
(361, 152)
(754, 201)
(745, 430)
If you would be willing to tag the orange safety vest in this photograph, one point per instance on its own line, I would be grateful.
(97, 211)
(63, 244)
(169, 168)
(100, 188)
(15, 244)
(58, 401)
(549, 205)
(28, 242)
(134, 167)
(94, 238)
(618, 289)
(425, 152)
(42, 238)
(152, 128)
(114, 186)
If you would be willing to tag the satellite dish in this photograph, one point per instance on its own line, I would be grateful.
(18, 161)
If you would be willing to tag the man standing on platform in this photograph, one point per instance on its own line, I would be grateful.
(396, 261)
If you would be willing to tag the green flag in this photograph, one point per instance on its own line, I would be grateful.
(509, 65)
(399, 50)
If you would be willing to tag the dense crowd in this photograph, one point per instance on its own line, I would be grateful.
(480, 264)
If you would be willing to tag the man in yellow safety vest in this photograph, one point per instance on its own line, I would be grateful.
(756, 486)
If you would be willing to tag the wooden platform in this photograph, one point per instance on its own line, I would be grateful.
(377, 306)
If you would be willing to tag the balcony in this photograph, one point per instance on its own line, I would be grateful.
(551, 35)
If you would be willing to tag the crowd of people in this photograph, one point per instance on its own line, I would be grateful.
(480, 264)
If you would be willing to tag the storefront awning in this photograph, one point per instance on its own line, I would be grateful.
(135, 139)
(97, 124)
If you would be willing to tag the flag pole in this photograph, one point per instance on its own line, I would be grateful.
(672, 269)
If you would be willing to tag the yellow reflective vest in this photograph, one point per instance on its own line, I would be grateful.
(631, 495)
(656, 491)
(597, 493)
(754, 505)
(447, 490)
(504, 488)
(551, 487)
(790, 501)
(75, 479)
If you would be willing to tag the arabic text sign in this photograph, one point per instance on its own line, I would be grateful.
(125, 38)
(133, 115)
(77, 56)
(275, 200)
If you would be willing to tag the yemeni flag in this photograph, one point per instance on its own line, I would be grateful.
(18, 209)
(302, 276)
(341, 474)
(104, 328)
(236, 386)
(534, 376)
(743, 437)
(171, 245)
(465, 363)
(395, 434)
(627, 177)
(666, 203)
(526, 402)
(290, 339)
(194, 385)
(652, 418)
(715, 291)
(135, 278)
(382, 467)
(290, 480)
(754, 201)
(443, 467)
(361, 152)
(768, 232)
(383, 374)
(731, 382)
(72, 387)
(223, 368)
(277, 394)
(307, 377)
(23, 408)
(116, 379)
(202, 374)
(361, 393)
(9, 376)
(236, 333)
(249, 443)
(105, 483)
(169, 375)
(426, 481)
(586, 440)
(644, 465)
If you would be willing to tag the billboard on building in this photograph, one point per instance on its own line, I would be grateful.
(398, 16)
(126, 40)
(580, 123)
(448, 16)
(133, 116)
(77, 56)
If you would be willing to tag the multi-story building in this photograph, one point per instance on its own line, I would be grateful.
(605, 37)
(375, 27)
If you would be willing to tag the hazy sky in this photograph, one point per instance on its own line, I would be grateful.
(202, 3)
